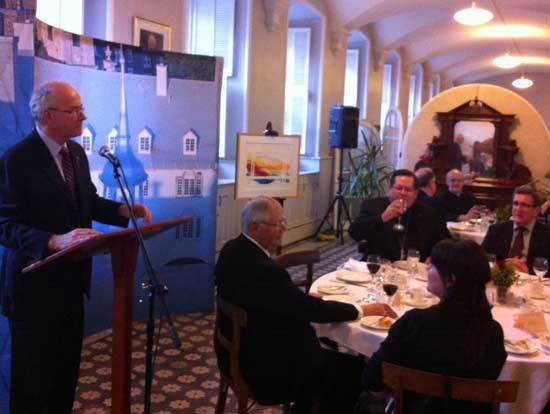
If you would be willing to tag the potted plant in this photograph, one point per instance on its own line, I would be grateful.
(503, 276)
(366, 173)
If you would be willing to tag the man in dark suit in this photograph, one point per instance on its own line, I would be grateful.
(47, 203)
(281, 357)
(427, 187)
(455, 204)
(378, 216)
(522, 238)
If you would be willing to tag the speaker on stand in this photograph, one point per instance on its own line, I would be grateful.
(342, 135)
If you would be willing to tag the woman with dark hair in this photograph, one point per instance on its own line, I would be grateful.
(457, 337)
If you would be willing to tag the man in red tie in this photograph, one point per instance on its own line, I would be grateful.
(47, 203)
(522, 238)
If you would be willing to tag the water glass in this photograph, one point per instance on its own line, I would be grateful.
(413, 257)
(540, 267)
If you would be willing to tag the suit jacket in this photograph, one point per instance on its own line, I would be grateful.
(450, 206)
(434, 340)
(422, 229)
(499, 237)
(35, 202)
(279, 349)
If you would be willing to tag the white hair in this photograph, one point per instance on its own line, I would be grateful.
(256, 210)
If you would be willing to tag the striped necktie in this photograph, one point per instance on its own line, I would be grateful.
(67, 167)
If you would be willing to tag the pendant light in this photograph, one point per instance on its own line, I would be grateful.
(473, 16)
(507, 61)
(522, 83)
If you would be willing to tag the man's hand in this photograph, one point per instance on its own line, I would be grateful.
(518, 264)
(379, 309)
(62, 241)
(315, 295)
(471, 214)
(140, 210)
(395, 209)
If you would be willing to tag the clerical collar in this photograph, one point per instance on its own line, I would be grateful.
(257, 244)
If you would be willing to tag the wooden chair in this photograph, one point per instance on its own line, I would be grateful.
(401, 379)
(304, 257)
(235, 380)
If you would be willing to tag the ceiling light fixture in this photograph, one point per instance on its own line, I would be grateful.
(522, 82)
(507, 61)
(473, 16)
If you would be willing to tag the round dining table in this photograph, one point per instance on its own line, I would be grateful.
(532, 370)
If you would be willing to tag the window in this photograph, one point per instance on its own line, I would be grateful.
(386, 91)
(64, 14)
(179, 186)
(211, 32)
(144, 142)
(190, 143)
(111, 139)
(111, 193)
(435, 86)
(189, 229)
(189, 185)
(415, 92)
(145, 189)
(86, 140)
(297, 83)
(351, 83)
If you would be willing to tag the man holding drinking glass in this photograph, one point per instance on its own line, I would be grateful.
(521, 239)
(391, 225)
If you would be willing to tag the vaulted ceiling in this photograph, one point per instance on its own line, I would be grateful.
(424, 31)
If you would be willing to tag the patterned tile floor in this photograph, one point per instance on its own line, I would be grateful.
(185, 379)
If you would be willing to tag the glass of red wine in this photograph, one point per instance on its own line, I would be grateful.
(389, 289)
(373, 264)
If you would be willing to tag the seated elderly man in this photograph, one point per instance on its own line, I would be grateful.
(427, 186)
(455, 204)
(522, 238)
(378, 216)
(281, 357)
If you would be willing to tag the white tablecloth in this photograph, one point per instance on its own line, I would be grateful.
(474, 233)
(533, 371)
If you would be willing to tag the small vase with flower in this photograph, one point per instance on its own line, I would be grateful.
(503, 276)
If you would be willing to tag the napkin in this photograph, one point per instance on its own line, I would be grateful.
(355, 265)
(531, 322)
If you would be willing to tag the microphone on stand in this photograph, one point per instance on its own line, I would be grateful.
(105, 152)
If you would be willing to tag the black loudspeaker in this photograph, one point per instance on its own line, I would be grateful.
(343, 126)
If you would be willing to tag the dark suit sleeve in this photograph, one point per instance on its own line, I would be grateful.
(14, 233)
(368, 221)
(277, 294)
(489, 242)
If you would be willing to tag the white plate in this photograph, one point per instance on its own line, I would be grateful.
(373, 322)
(339, 298)
(332, 289)
(426, 303)
(353, 277)
(523, 347)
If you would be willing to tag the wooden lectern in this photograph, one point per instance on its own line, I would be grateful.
(124, 247)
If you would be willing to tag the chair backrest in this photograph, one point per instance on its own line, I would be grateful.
(304, 257)
(401, 379)
(232, 346)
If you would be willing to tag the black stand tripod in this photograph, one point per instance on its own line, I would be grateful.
(153, 286)
(340, 202)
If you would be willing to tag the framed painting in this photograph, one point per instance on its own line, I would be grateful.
(151, 35)
(267, 165)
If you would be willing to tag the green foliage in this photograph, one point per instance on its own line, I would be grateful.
(503, 275)
(367, 175)
(503, 213)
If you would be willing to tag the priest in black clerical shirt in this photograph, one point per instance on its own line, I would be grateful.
(455, 204)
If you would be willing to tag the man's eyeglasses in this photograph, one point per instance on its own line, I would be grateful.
(72, 112)
(403, 189)
(524, 205)
(281, 223)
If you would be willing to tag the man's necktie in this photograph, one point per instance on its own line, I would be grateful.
(517, 246)
(67, 167)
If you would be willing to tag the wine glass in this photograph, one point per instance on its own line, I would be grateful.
(540, 267)
(492, 259)
(399, 226)
(389, 289)
(373, 264)
(413, 258)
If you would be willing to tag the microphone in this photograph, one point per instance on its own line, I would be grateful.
(105, 152)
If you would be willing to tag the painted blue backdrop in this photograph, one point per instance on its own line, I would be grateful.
(158, 111)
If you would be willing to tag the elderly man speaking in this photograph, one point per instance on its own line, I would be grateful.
(281, 357)
(47, 203)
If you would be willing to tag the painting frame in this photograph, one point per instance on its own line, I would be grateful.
(267, 165)
(151, 35)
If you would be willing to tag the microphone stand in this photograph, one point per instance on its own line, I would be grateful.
(153, 286)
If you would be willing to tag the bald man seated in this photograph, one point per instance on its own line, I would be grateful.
(281, 358)
(455, 203)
